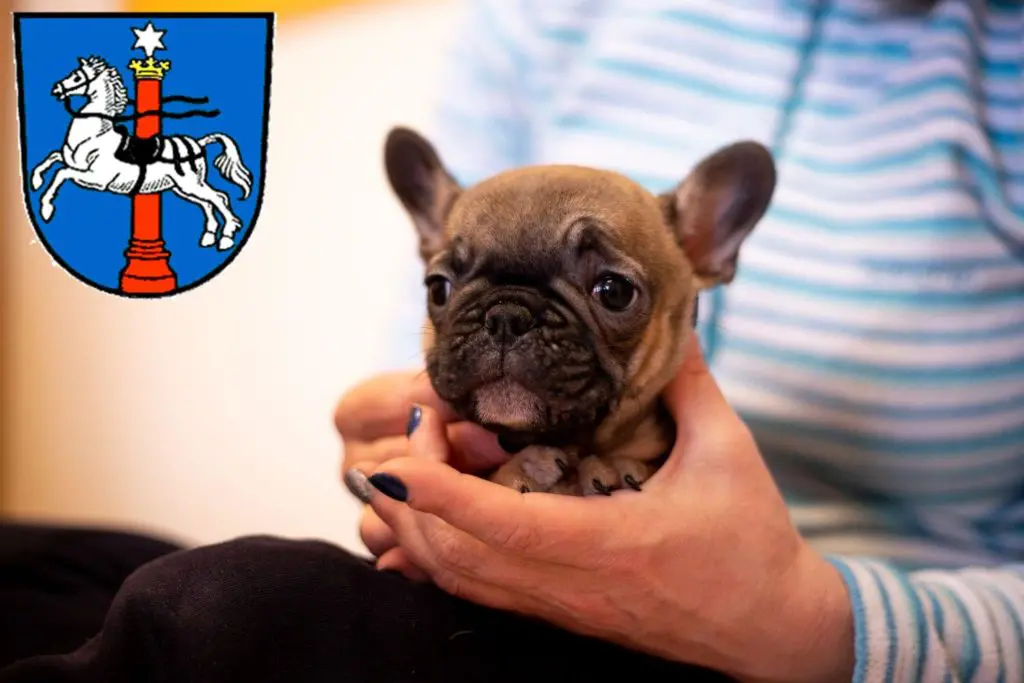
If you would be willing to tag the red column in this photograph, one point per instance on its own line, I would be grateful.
(148, 270)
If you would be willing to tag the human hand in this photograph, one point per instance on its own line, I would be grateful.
(702, 566)
(374, 419)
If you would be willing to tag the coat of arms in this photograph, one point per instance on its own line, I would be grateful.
(120, 113)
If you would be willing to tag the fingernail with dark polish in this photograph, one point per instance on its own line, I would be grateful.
(390, 485)
(414, 420)
(358, 485)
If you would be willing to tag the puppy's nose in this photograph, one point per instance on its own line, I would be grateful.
(507, 321)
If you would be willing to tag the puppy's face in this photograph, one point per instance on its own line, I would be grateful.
(558, 294)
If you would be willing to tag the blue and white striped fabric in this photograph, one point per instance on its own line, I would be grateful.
(874, 337)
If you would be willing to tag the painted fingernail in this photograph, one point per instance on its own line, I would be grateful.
(509, 445)
(358, 485)
(563, 466)
(415, 415)
(696, 308)
(390, 485)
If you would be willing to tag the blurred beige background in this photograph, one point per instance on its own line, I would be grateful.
(208, 415)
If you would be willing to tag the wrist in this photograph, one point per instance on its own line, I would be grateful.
(806, 632)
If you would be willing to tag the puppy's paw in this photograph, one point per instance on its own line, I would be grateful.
(597, 477)
(601, 476)
(567, 487)
(534, 469)
(632, 473)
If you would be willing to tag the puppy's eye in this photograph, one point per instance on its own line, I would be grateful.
(439, 289)
(615, 292)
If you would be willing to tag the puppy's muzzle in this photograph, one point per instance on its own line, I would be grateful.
(506, 322)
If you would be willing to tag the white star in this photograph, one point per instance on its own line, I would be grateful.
(148, 39)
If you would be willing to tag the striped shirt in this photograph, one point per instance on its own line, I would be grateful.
(874, 336)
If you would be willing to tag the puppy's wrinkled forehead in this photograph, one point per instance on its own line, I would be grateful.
(528, 219)
(527, 214)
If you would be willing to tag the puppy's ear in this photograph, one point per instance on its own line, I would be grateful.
(717, 206)
(421, 182)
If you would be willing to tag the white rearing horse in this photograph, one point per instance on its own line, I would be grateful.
(90, 159)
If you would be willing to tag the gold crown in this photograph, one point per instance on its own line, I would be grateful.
(149, 68)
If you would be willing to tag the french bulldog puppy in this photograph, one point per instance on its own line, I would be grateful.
(559, 299)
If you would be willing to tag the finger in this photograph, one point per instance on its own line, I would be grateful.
(451, 558)
(461, 586)
(377, 536)
(463, 566)
(428, 438)
(397, 560)
(367, 456)
(470, 449)
(694, 399)
(380, 407)
(473, 448)
(708, 430)
(693, 396)
(536, 523)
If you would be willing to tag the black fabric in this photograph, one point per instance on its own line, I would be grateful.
(56, 584)
(269, 610)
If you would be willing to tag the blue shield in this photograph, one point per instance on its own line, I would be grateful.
(143, 142)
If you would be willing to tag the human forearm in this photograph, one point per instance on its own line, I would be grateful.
(935, 625)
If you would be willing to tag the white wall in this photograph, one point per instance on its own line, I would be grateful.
(209, 415)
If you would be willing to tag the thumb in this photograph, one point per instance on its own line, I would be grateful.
(491, 513)
(693, 396)
(463, 445)
(708, 430)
